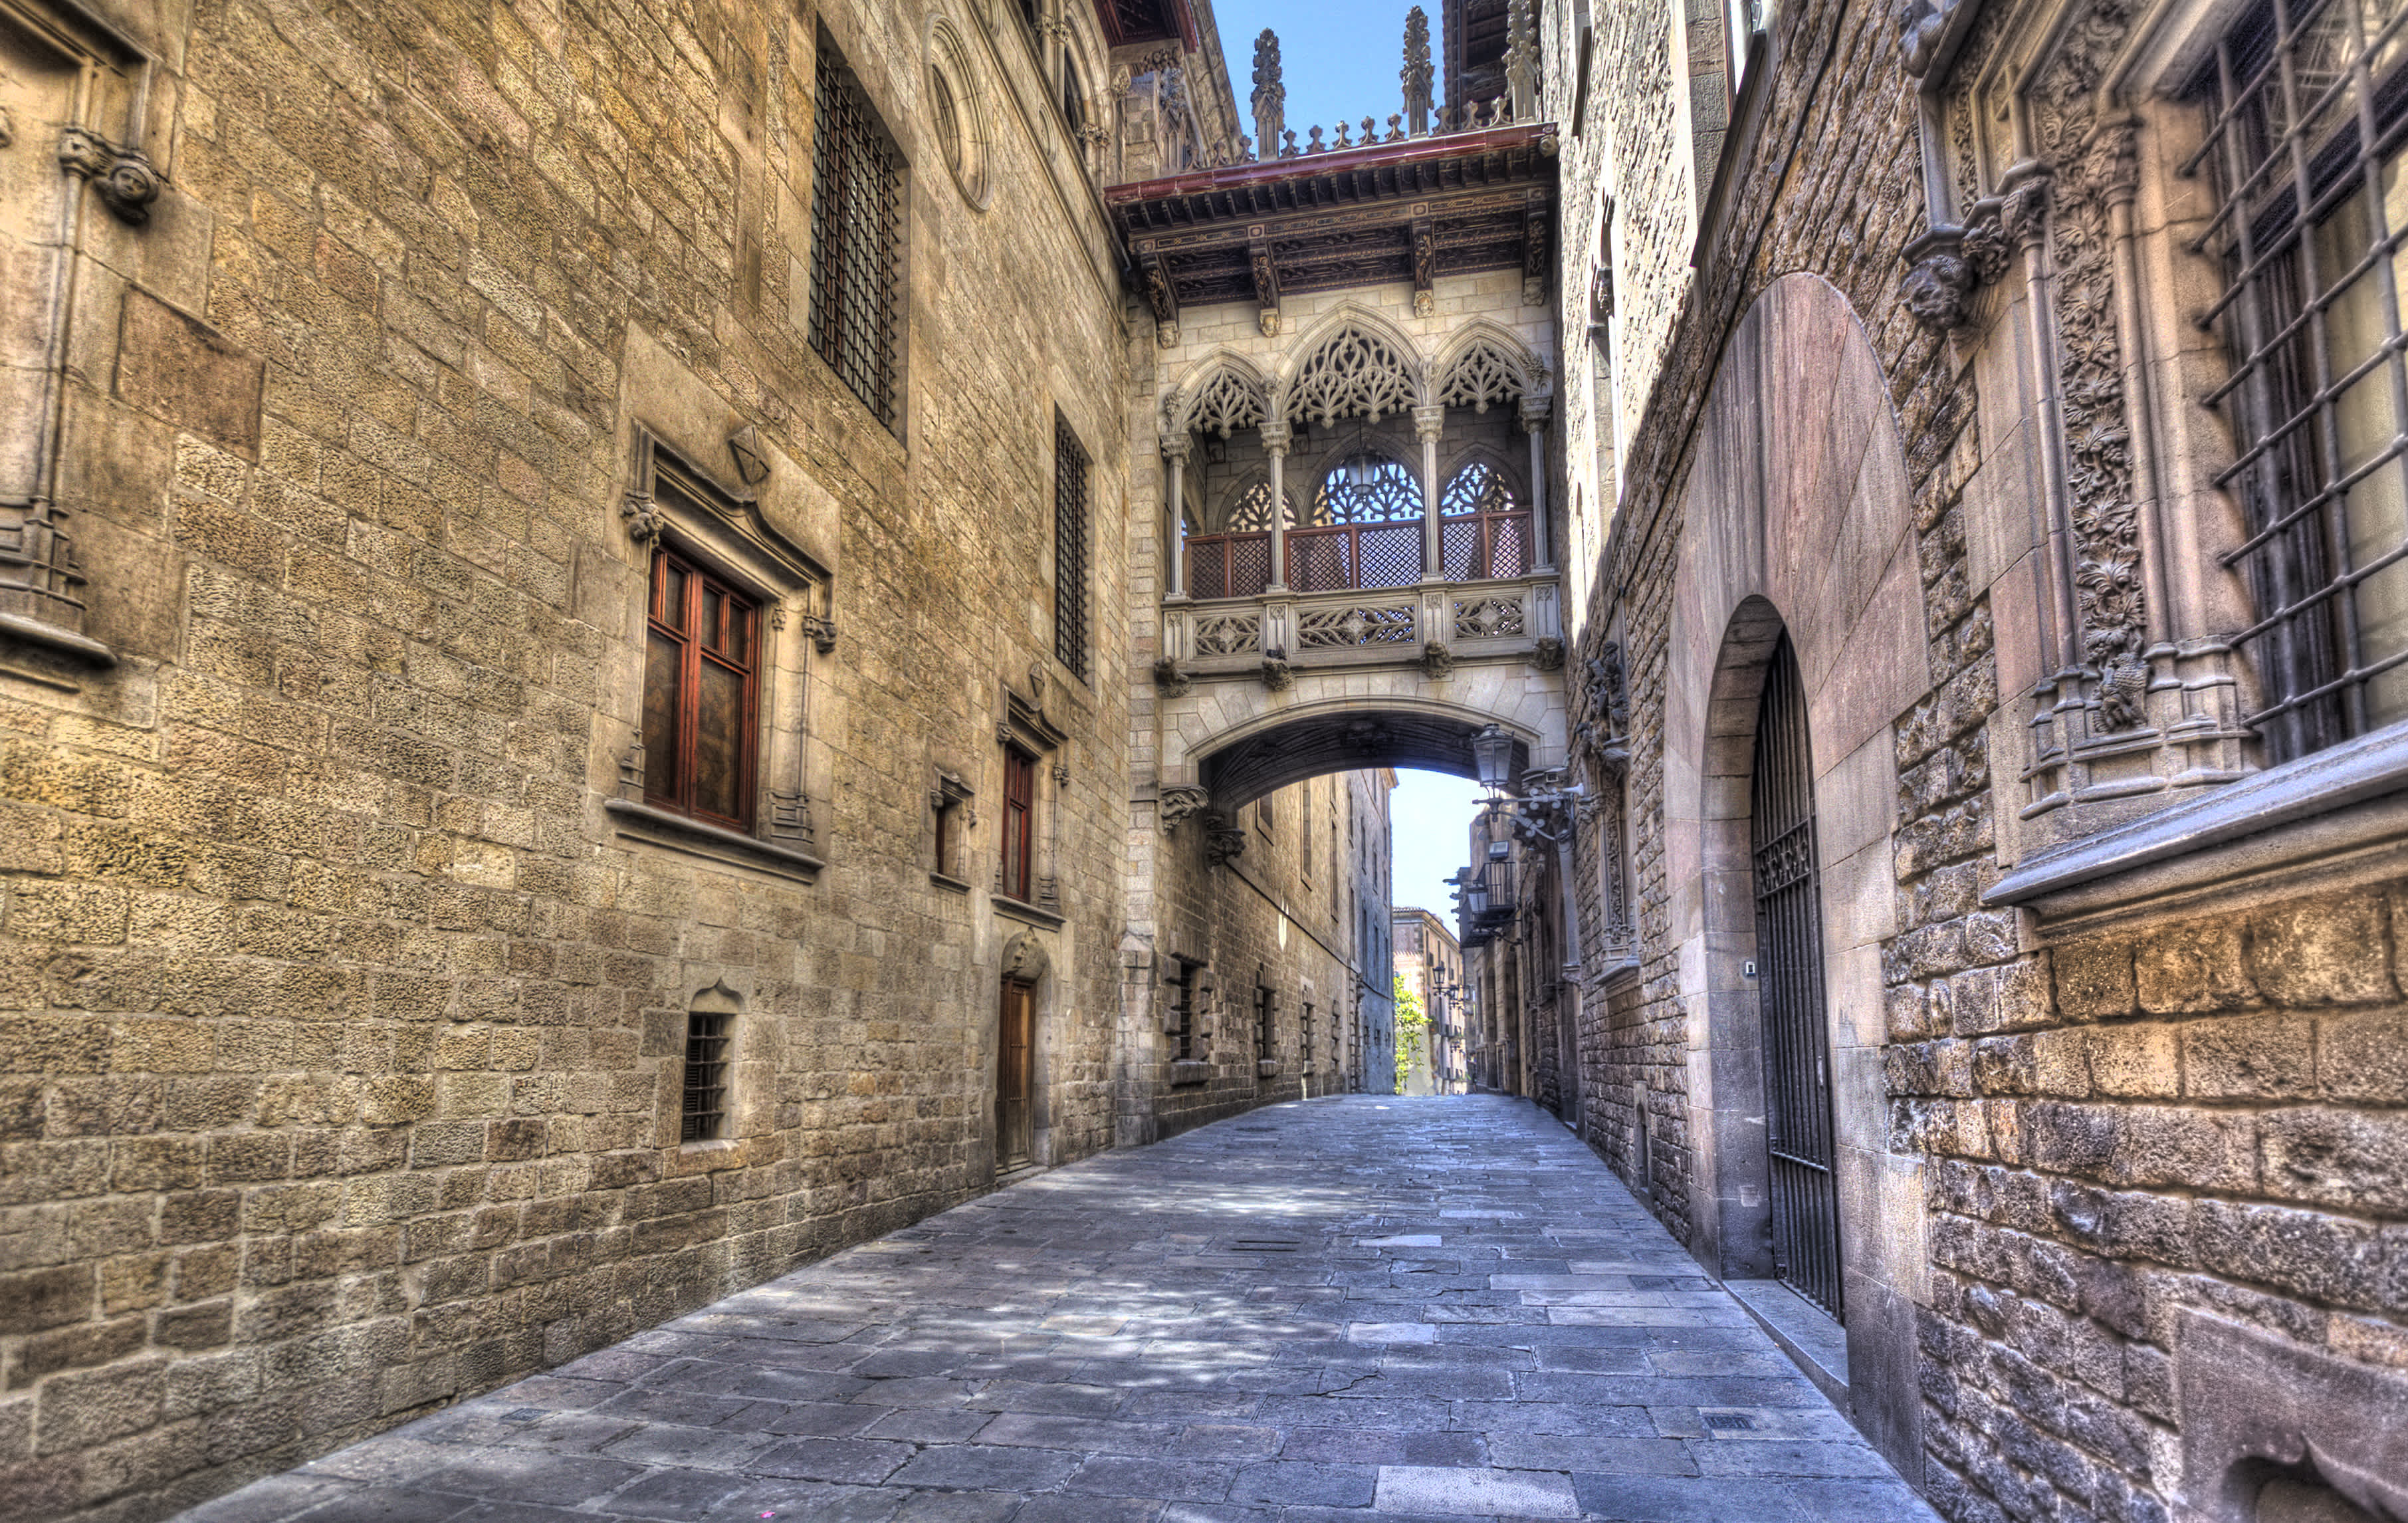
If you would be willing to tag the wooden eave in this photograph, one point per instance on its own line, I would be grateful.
(1341, 219)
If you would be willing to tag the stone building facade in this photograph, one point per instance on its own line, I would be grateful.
(1429, 965)
(1982, 624)
(565, 672)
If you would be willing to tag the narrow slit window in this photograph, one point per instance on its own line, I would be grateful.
(1019, 814)
(1070, 535)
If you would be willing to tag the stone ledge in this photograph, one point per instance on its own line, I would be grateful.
(51, 637)
(1189, 1070)
(2347, 798)
(951, 885)
(658, 827)
(1021, 910)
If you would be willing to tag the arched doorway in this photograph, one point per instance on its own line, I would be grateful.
(1799, 1157)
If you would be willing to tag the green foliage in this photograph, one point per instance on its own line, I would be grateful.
(1412, 1030)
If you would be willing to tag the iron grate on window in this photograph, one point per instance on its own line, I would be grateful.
(2307, 102)
(706, 1075)
(855, 238)
(1069, 550)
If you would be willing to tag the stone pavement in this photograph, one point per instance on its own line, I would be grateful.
(1354, 1307)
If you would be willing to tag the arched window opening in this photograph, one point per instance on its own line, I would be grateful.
(1484, 527)
(1367, 488)
(1074, 100)
(1366, 529)
(710, 1033)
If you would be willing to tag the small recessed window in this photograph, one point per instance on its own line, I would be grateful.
(710, 1033)
(1019, 820)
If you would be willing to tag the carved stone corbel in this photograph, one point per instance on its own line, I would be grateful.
(1169, 681)
(822, 628)
(1547, 655)
(644, 521)
(1938, 286)
(1277, 674)
(1180, 801)
(1225, 840)
(1437, 662)
(124, 179)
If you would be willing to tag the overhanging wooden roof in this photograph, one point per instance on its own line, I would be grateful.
(1126, 22)
(1330, 220)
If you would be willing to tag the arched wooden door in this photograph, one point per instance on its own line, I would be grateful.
(1014, 1053)
(1789, 989)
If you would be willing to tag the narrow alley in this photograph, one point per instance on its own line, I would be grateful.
(1441, 1308)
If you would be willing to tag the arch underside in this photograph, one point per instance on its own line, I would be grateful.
(1269, 760)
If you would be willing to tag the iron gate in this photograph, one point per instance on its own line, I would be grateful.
(1789, 985)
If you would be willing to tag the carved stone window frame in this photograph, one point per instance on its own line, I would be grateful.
(42, 575)
(671, 501)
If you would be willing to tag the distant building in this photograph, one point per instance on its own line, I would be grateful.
(1429, 963)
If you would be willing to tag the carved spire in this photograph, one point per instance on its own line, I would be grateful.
(1521, 62)
(1416, 72)
(1271, 94)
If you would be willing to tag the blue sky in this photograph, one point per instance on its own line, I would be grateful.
(1339, 58)
(1432, 814)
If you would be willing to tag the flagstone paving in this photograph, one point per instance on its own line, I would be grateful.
(1361, 1307)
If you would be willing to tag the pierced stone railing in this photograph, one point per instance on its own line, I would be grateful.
(1432, 624)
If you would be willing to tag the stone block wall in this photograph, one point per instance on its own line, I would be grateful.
(2195, 1114)
(340, 1025)
(2126, 1129)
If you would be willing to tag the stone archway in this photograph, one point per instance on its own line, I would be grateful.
(1795, 517)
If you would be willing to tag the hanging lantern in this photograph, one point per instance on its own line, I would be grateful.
(1492, 756)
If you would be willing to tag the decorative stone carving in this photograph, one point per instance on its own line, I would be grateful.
(1424, 244)
(1180, 801)
(1061, 774)
(1535, 255)
(1921, 25)
(1025, 958)
(822, 629)
(1938, 286)
(1278, 675)
(1437, 662)
(631, 770)
(1606, 697)
(789, 816)
(644, 521)
(124, 181)
(1225, 840)
(752, 458)
(1547, 653)
(1521, 60)
(1169, 681)
(1417, 73)
(7, 126)
(1271, 94)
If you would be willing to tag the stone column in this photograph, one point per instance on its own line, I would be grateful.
(1428, 423)
(1174, 504)
(1534, 419)
(1275, 436)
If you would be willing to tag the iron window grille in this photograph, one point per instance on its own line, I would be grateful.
(707, 1038)
(702, 685)
(1069, 550)
(2307, 105)
(1182, 1035)
(857, 238)
(1264, 1050)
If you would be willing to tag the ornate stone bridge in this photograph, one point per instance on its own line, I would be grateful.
(1261, 693)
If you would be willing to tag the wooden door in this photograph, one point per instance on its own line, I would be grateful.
(1014, 1053)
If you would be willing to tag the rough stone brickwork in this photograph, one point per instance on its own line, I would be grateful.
(2201, 1114)
(2120, 1127)
(341, 1026)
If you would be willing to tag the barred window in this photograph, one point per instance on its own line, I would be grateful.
(1183, 1013)
(856, 239)
(2307, 100)
(709, 1031)
(1069, 550)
